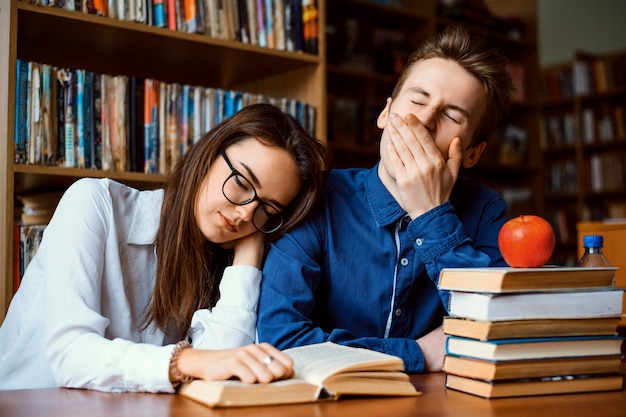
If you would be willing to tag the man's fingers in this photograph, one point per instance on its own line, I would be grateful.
(455, 158)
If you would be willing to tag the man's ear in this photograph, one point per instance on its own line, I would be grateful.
(381, 122)
(473, 154)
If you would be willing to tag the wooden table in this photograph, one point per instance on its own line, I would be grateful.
(436, 400)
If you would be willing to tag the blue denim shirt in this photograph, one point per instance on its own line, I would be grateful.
(359, 272)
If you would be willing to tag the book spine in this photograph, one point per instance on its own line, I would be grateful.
(197, 114)
(21, 111)
(150, 128)
(80, 119)
(172, 13)
(279, 24)
(60, 113)
(70, 119)
(310, 30)
(243, 22)
(172, 128)
(183, 133)
(260, 13)
(48, 116)
(96, 138)
(289, 31)
(88, 118)
(297, 22)
(269, 24)
(158, 13)
(163, 124)
(34, 101)
(190, 16)
(252, 21)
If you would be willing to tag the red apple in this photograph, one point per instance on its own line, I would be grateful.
(526, 241)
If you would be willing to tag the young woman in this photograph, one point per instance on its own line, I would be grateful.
(139, 290)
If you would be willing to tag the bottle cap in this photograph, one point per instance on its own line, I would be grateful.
(593, 241)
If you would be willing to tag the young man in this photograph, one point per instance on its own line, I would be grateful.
(363, 269)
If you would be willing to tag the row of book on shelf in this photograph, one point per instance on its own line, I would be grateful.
(26, 240)
(82, 119)
(532, 331)
(602, 171)
(290, 25)
(605, 124)
(36, 209)
(587, 74)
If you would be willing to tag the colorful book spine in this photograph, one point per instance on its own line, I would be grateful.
(172, 14)
(48, 135)
(158, 13)
(269, 24)
(70, 118)
(310, 23)
(260, 13)
(190, 16)
(172, 126)
(88, 118)
(21, 113)
(96, 132)
(34, 109)
(150, 120)
(80, 118)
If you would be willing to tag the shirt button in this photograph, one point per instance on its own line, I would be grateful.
(419, 241)
(398, 312)
(404, 261)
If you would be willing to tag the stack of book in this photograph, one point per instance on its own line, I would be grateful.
(532, 331)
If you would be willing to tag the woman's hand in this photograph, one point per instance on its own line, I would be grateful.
(252, 363)
(249, 250)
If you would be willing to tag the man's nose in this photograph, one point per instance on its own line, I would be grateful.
(427, 116)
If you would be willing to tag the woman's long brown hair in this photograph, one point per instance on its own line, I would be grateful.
(189, 267)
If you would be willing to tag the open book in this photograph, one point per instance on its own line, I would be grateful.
(323, 371)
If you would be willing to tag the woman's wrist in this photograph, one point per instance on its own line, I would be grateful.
(175, 373)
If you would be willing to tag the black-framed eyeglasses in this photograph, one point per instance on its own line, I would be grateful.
(239, 190)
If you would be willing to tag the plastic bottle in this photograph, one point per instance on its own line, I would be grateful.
(593, 255)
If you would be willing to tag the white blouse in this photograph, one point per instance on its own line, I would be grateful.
(76, 319)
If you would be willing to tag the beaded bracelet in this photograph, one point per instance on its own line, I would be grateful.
(174, 371)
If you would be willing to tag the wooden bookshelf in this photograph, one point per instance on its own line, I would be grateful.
(106, 45)
(583, 131)
(358, 85)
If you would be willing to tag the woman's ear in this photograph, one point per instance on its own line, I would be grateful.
(473, 154)
(381, 122)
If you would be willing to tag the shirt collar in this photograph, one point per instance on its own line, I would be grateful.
(384, 207)
(145, 223)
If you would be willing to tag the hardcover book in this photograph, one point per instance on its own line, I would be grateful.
(543, 386)
(530, 368)
(324, 371)
(507, 329)
(539, 305)
(509, 279)
(534, 348)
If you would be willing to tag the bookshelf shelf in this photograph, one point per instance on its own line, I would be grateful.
(37, 177)
(105, 45)
(121, 47)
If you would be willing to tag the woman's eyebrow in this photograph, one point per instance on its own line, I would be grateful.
(250, 175)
